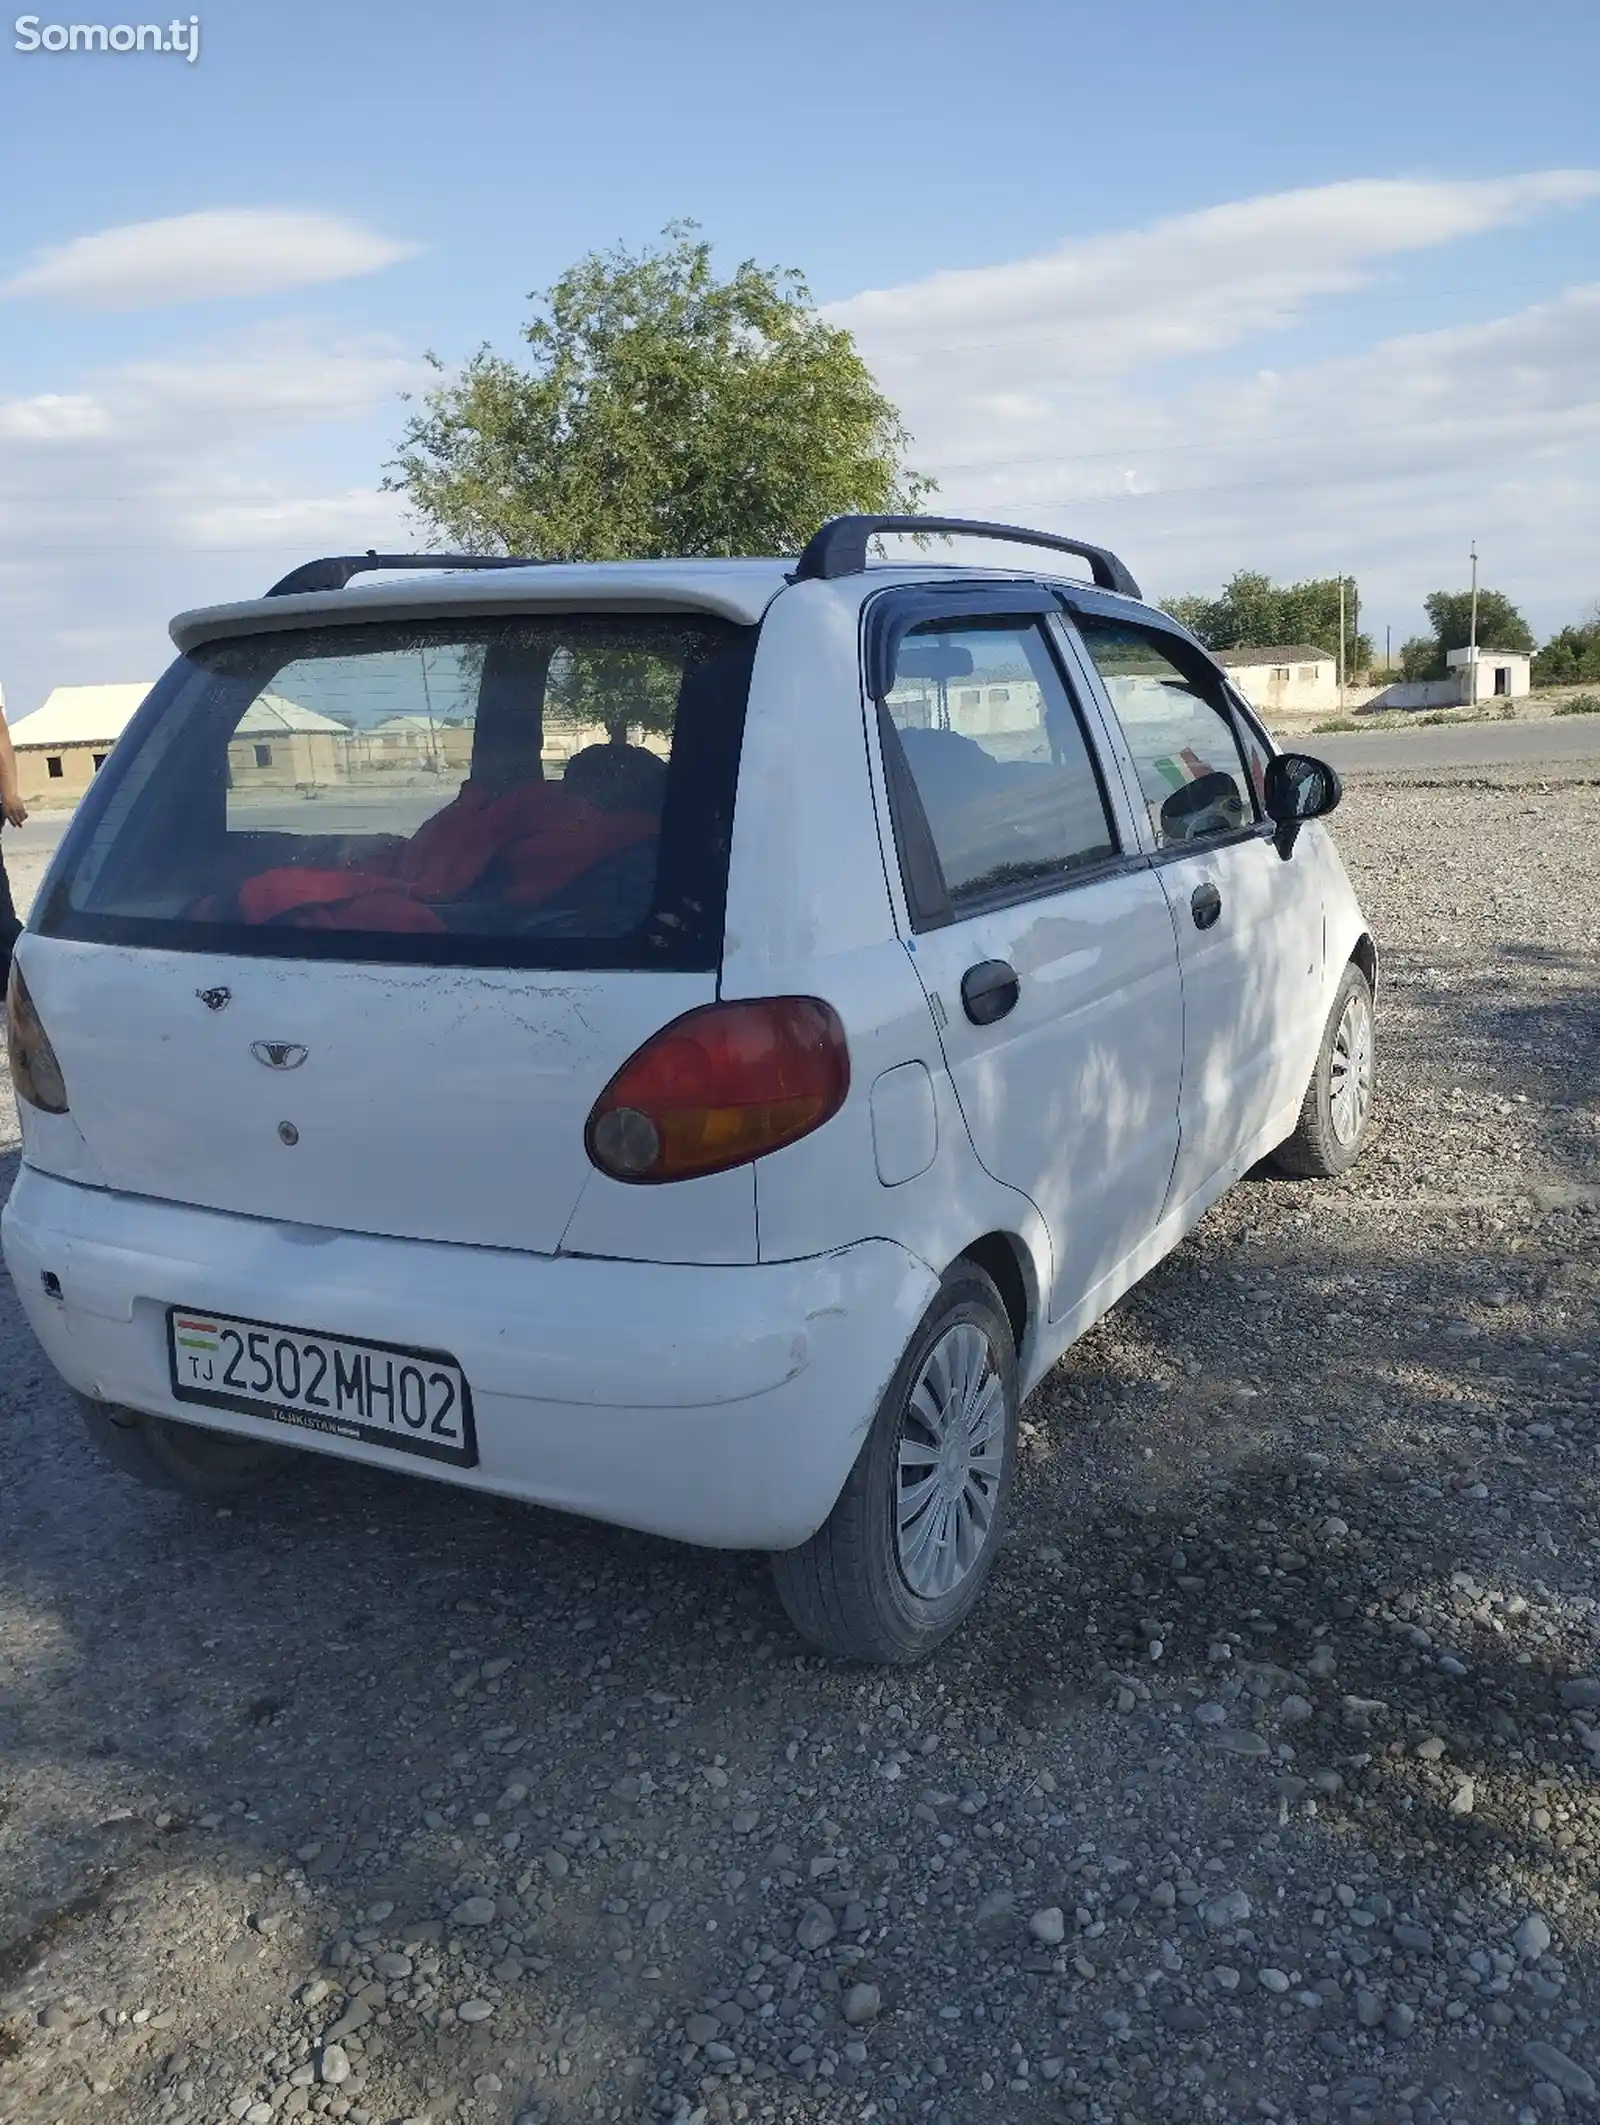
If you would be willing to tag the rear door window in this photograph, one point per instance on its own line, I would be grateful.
(540, 791)
(991, 741)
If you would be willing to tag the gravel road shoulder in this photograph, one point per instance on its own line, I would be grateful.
(1263, 1785)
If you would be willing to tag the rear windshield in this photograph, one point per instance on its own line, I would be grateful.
(527, 792)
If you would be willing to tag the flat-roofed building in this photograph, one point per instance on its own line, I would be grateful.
(1292, 675)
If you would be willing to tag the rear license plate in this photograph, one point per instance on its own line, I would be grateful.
(383, 1394)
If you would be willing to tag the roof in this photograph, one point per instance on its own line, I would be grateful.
(738, 590)
(1282, 653)
(81, 715)
(1457, 658)
(271, 712)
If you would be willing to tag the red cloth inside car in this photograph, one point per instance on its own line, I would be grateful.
(540, 836)
(535, 865)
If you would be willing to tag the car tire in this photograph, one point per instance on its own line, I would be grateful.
(888, 1577)
(210, 1465)
(1337, 1111)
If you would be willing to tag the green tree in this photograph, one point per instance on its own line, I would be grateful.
(1500, 626)
(1190, 612)
(1253, 612)
(663, 411)
(1421, 658)
(1571, 656)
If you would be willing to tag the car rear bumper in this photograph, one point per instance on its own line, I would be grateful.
(722, 1406)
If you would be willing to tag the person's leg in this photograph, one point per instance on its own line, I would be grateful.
(10, 928)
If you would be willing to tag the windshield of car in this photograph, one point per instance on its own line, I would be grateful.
(536, 791)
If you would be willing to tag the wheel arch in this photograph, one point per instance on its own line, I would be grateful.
(1006, 1261)
(1364, 954)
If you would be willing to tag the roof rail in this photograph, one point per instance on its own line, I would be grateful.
(335, 570)
(840, 547)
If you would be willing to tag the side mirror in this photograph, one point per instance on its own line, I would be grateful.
(1298, 788)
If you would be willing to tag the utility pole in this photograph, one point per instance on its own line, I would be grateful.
(1388, 662)
(1472, 643)
(1355, 617)
(1341, 642)
(433, 735)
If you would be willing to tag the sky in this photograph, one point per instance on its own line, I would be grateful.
(1219, 284)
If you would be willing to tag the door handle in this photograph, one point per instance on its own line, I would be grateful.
(1205, 905)
(989, 990)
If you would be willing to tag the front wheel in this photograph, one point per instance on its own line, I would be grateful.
(1337, 1110)
(902, 1558)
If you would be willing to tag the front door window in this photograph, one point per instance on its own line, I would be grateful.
(1193, 775)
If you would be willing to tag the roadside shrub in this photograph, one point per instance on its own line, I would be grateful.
(1579, 705)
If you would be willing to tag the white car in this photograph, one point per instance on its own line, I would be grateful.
(687, 1042)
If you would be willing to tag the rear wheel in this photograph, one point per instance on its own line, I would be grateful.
(182, 1457)
(902, 1558)
(1337, 1110)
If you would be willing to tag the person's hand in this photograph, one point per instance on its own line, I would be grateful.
(16, 811)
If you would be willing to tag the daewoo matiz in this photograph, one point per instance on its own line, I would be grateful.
(690, 1043)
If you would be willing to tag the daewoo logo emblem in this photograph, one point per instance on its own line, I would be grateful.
(279, 1054)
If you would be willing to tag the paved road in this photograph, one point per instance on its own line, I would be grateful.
(1553, 741)
(38, 837)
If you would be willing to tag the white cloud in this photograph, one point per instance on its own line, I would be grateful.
(224, 251)
(51, 417)
(1040, 391)
(1187, 285)
(1387, 462)
(164, 484)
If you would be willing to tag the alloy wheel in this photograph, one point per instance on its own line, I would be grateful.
(1350, 1074)
(951, 1460)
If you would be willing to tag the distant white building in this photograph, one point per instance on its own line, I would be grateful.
(279, 744)
(1291, 675)
(412, 742)
(276, 743)
(1471, 678)
(1490, 674)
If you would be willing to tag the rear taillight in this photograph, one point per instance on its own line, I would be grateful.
(35, 1073)
(720, 1086)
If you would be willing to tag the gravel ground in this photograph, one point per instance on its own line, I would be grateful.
(1264, 1785)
